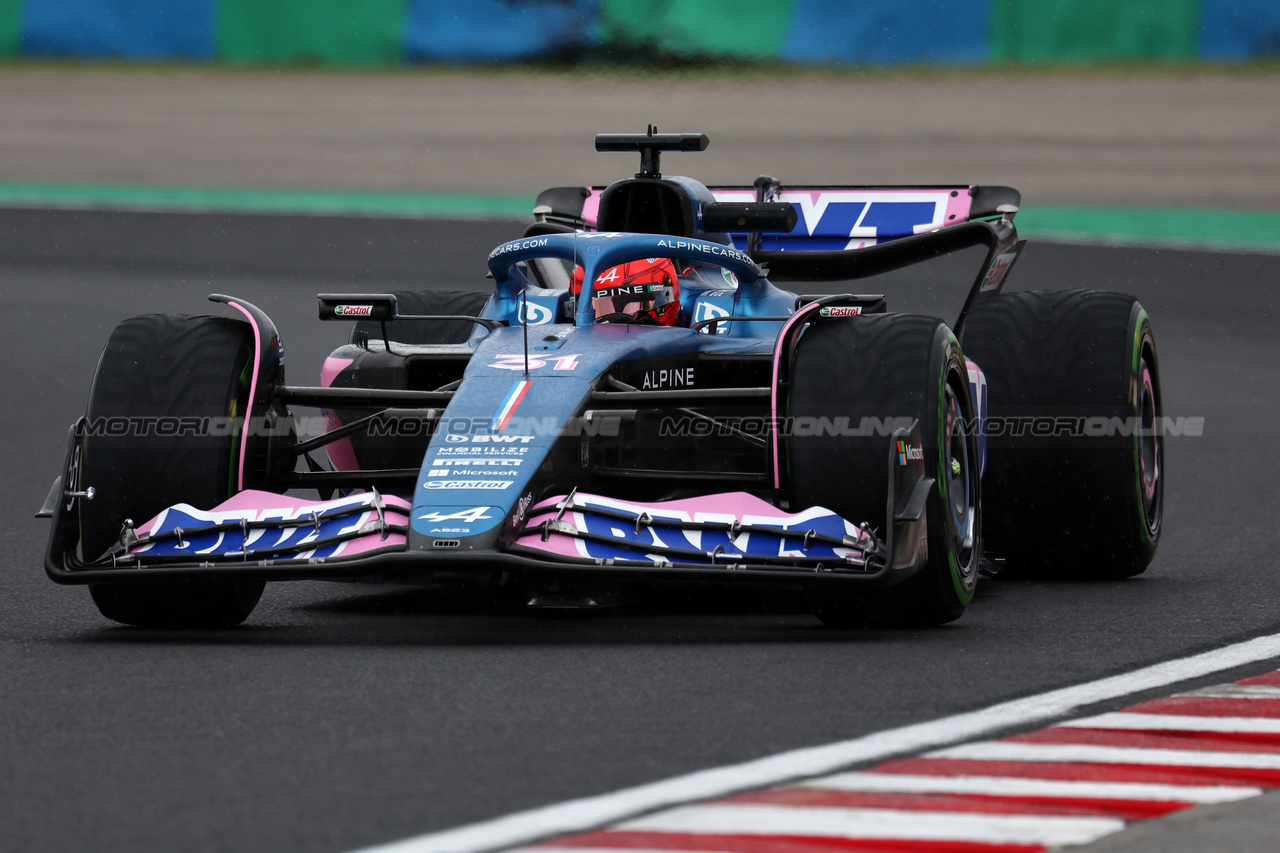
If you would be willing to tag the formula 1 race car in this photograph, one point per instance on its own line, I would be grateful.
(587, 429)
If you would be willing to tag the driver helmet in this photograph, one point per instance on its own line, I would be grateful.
(643, 291)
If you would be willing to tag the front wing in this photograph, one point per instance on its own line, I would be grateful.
(262, 535)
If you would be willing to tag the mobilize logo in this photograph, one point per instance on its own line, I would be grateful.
(352, 310)
(462, 451)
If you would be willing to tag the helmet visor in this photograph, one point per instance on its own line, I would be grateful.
(631, 299)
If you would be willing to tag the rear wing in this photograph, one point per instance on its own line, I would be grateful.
(827, 218)
(843, 218)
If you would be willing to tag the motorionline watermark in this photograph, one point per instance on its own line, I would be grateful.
(176, 426)
(607, 425)
(385, 425)
(994, 427)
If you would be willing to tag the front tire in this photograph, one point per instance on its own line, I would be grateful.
(170, 368)
(872, 370)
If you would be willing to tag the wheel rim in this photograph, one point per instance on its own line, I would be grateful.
(1149, 449)
(958, 476)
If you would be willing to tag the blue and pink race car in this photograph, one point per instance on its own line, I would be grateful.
(556, 441)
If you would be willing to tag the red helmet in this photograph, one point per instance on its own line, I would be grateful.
(644, 291)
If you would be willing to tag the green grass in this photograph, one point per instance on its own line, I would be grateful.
(1240, 230)
(316, 202)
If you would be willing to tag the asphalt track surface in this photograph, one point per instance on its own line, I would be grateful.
(1191, 137)
(341, 716)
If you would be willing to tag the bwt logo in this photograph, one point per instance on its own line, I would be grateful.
(453, 438)
(840, 220)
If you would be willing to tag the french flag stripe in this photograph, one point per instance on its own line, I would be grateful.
(510, 404)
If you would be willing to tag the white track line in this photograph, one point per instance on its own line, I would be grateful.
(591, 812)
(829, 822)
(709, 849)
(1073, 752)
(1016, 786)
(1177, 723)
(1234, 691)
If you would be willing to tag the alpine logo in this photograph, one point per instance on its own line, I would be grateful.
(352, 310)
(840, 311)
(471, 516)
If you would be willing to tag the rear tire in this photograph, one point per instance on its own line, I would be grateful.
(171, 367)
(890, 366)
(1083, 506)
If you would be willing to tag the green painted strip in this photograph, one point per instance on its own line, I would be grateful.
(1226, 229)
(1039, 31)
(328, 32)
(10, 26)
(105, 196)
(752, 30)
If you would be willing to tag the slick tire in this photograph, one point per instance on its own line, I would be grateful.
(884, 366)
(1086, 502)
(169, 367)
(428, 302)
